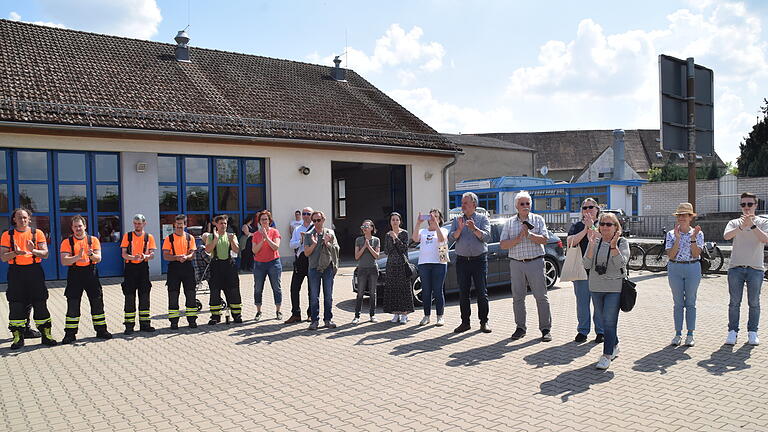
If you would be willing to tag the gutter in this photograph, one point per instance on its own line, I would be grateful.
(446, 190)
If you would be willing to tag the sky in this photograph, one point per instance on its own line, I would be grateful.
(471, 66)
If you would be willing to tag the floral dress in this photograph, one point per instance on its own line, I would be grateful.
(397, 295)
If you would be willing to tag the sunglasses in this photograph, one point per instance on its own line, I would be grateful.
(365, 227)
(588, 207)
(608, 224)
(749, 204)
(306, 214)
(525, 204)
(316, 220)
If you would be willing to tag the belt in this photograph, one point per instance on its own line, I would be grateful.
(470, 258)
(683, 262)
(528, 259)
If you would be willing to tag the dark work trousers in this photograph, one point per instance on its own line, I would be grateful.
(79, 279)
(136, 279)
(366, 278)
(300, 272)
(181, 274)
(468, 270)
(26, 286)
(224, 278)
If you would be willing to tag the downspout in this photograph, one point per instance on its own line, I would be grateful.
(446, 191)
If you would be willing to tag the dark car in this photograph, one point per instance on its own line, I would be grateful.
(498, 264)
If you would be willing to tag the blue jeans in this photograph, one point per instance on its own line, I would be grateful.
(737, 277)
(684, 281)
(260, 272)
(315, 278)
(469, 270)
(583, 308)
(432, 278)
(608, 305)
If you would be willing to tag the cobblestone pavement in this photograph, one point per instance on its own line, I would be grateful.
(383, 376)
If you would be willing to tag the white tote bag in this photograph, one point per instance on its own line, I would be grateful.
(573, 268)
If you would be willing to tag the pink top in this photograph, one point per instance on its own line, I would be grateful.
(266, 254)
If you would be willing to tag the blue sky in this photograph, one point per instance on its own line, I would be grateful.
(477, 66)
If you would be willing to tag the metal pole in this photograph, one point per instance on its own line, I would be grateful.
(691, 103)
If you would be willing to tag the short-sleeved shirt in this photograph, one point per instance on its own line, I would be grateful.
(428, 246)
(747, 249)
(266, 254)
(684, 248)
(137, 245)
(80, 246)
(526, 249)
(366, 259)
(182, 244)
(20, 240)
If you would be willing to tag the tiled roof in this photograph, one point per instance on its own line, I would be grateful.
(484, 141)
(67, 77)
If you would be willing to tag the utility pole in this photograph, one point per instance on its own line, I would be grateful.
(691, 104)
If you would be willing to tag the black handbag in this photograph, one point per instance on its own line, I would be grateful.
(628, 295)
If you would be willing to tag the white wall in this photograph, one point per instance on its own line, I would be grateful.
(139, 194)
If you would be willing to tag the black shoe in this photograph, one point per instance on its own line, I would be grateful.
(599, 339)
(174, 325)
(192, 322)
(146, 328)
(580, 337)
(30, 333)
(46, 338)
(462, 328)
(237, 319)
(546, 336)
(485, 328)
(214, 321)
(518, 334)
(68, 338)
(18, 339)
(102, 334)
(128, 329)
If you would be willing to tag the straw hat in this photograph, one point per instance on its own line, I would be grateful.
(684, 208)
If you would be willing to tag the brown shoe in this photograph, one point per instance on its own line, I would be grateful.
(293, 319)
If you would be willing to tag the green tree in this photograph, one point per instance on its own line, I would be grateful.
(753, 160)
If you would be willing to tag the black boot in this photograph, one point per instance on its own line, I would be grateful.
(174, 323)
(69, 337)
(128, 328)
(237, 318)
(102, 333)
(46, 338)
(18, 338)
(30, 333)
(146, 327)
(215, 319)
(192, 322)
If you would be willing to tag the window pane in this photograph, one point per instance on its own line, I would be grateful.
(106, 167)
(65, 224)
(42, 223)
(341, 188)
(196, 170)
(227, 171)
(71, 166)
(342, 208)
(4, 224)
(34, 197)
(3, 198)
(166, 224)
(166, 169)
(107, 198)
(253, 171)
(2, 166)
(109, 229)
(229, 199)
(33, 165)
(198, 224)
(254, 199)
(169, 198)
(197, 198)
(72, 198)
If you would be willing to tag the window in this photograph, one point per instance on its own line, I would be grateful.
(340, 191)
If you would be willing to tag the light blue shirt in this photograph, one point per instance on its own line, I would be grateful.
(468, 244)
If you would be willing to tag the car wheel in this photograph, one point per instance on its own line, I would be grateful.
(550, 272)
(416, 286)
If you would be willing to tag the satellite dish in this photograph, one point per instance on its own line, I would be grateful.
(544, 170)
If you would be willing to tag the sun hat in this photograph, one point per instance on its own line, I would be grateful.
(684, 208)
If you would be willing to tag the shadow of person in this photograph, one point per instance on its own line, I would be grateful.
(429, 345)
(573, 382)
(726, 360)
(346, 330)
(269, 334)
(390, 336)
(559, 355)
(496, 351)
(662, 359)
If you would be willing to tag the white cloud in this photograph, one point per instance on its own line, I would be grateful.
(14, 16)
(129, 18)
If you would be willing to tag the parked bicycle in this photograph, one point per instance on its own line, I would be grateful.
(636, 255)
(655, 259)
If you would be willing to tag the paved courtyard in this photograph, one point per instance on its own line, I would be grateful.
(269, 376)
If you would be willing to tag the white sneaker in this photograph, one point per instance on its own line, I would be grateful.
(374, 319)
(615, 353)
(752, 338)
(424, 321)
(403, 319)
(356, 320)
(440, 321)
(395, 318)
(677, 340)
(731, 339)
(604, 363)
(689, 341)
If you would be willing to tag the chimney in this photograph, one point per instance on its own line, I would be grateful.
(338, 73)
(618, 154)
(182, 50)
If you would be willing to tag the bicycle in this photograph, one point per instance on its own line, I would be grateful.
(655, 259)
(636, 254)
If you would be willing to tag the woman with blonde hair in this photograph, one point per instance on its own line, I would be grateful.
(683, 245)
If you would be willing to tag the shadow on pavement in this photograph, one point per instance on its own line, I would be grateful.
(662, 360)
(560, 355)
(571, 383)
(430, 345)
(496, 351)
(726, 360)
(390, 336)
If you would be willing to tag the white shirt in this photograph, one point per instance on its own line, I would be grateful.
(747, 249)
(428, 246)
(526, 249)
(296, 241)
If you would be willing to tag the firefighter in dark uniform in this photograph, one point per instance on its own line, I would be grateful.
(224, 275)
(138, 248)
(178, 250)
(24, 248)
(81, 252)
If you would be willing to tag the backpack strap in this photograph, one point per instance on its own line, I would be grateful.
(13, 244)
(189, 241)
(170, 240)
(130, 243)
(72, 245)
(146, 241)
